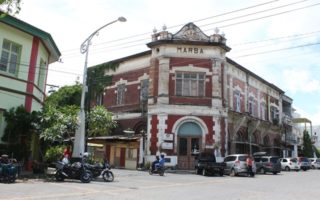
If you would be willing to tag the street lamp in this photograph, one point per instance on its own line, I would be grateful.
(79, 141)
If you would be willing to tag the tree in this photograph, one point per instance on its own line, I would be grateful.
(307, 145)
(10, 7)
(60, 116)
(20, 123)
(67, 95)
(20, 127)
(100, 122)
(59, 123)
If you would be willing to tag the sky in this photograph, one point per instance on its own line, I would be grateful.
(279, 40)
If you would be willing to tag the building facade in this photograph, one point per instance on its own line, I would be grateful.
(185, 95)
(26, 52)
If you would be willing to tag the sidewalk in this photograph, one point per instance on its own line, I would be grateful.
(24, 174)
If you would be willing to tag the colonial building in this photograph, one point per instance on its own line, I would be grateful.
(185, 95)
(25, 54)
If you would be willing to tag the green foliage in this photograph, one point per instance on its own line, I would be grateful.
(10, 7)
(60, 116)
(59, 124)
(317, 151)
(100, 121)
(97, 80)
(147, 165)
(65, 96)
(307, 145)
(53, 154)
(60, 113)
(20, 123)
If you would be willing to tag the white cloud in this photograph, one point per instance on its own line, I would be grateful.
(300, 80)
(71, 22)
(315, 118)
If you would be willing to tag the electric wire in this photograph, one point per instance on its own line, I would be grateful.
(174, 26)
(222, 26)
(71, 73)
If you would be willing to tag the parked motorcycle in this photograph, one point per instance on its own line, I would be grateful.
(8, 171)
(158, 170)
(75, 170)
(100, 169)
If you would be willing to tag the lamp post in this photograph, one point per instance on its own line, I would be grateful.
(79, 141)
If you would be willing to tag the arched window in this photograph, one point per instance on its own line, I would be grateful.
(266, 141)
(254, 138)
(189, 129)
(237, 101)
(276, 142)
(240, 137)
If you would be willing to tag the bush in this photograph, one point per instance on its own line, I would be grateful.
(53, 154)
(147, 165)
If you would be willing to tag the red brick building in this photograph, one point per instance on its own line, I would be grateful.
(185, 95)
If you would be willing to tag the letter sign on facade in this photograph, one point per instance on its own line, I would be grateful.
(190, 50)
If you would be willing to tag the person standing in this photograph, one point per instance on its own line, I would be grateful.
(66, 155)
(249, 162)
(67, 152)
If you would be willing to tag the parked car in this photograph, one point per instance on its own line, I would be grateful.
(289, 164)
(304, 163)
(236, 164)
(315, 163)
(206, 164)
(266, 163)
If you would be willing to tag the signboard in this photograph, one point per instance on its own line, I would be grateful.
(167, 145)
(168, 137)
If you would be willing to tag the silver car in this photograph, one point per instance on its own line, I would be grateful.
(304, 163)
(289, 164)
(315, 163)
(236, 164)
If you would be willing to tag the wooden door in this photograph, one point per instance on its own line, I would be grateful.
(186, 147)
(123, 157)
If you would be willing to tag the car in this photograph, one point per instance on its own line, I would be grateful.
(289, 164)
(206, 164)
(315, 163)
(267, 164)
(236, 164)
(304, 163)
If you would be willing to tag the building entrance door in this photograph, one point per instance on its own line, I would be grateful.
(188, 142)
(186, 149)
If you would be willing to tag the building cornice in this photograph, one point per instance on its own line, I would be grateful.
(28, 28)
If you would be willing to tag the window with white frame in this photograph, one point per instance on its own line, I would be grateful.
(251, 106)
(42, 74)
(131, 154)
(144, 90)
(10, 57)
(120, 93)
(99, 99)
(190, 84)
(237, 100)
(263, 111)
(274, 113)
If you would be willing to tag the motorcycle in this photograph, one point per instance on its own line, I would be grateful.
(158, 170)
(8, 173)
(76, 170)
(100, 169)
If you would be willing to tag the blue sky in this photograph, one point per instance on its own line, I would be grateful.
(295, 70)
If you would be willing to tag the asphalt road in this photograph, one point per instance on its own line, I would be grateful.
(140, 185)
